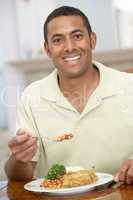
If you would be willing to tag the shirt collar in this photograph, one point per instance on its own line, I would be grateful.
(49, 87)
(107, 87)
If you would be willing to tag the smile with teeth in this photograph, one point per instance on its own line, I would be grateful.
(72, 58)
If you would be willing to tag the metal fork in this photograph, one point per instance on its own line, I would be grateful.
(116, 184)
(113, 185)
(57, 139)
(102, 188)
(47, 138)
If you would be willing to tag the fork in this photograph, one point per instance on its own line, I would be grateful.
(60, 138)
(113, 185)
(45, 137)
(102, 188)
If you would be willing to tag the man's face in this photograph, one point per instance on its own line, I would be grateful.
(69, 45)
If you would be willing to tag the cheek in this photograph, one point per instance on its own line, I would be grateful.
(55, 51)
(56, 57)
(85, 45)
(87, 53)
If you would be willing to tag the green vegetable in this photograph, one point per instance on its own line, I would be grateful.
(55, 171)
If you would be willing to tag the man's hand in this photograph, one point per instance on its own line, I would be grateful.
(125, 173)
(23, 146)
(20, 165)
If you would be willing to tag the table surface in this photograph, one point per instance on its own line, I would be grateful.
(16, 191)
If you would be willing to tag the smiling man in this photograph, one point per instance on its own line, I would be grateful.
(81, 97)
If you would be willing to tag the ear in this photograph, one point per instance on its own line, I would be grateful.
(93, 39)
(46, 49)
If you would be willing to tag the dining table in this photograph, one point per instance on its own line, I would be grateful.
(14, 190)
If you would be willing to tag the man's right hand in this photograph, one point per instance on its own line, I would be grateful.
(23, 146)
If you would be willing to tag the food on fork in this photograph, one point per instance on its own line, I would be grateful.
(65, 136)
(59, 178)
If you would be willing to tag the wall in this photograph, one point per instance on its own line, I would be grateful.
(30, 19)
(100, 14)
(8, 34)
(21, 34)
(20, 37)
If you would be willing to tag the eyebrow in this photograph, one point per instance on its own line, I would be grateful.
(56, 35)
(77, 30)
(60, 35)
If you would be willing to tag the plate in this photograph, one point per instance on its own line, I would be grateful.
(34, 186)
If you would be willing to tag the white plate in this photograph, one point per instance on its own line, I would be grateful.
(34, 186)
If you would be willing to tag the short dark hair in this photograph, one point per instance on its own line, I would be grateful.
(65, 11)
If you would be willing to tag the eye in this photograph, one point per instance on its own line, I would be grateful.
(78, 36)
(57, 41)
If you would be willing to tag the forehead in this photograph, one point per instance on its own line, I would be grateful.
(65, 24)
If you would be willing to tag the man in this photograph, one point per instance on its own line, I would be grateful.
(81, 97)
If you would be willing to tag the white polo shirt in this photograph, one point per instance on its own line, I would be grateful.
(103, 132)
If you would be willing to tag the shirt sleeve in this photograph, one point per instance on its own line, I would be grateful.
(25, 120)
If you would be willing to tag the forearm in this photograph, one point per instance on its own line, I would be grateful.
(17, 170)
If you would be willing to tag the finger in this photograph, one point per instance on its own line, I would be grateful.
(22, 135)
(29, 157)
(23, 132)
(24, 146)
(26, 155)
(116, 177)
(17, 140)
(129, 176)
(12, 142)
(121, 175)
(20, 132)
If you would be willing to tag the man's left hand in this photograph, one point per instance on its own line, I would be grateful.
(125, 173)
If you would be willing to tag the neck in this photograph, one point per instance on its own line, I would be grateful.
(78, 90)
(79, 84)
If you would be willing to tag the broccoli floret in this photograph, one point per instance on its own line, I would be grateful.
(55, 171)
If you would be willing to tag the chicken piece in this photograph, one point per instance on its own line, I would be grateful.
(65, 136)
(81, 177)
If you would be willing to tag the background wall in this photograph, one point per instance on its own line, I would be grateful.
(30, 19)
(8, 34)
(21, 37)
(21, 30)
(101, 17)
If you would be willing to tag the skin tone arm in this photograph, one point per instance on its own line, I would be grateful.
(23, 147)
(125, 173)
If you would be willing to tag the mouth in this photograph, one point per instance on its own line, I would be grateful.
(72, 58)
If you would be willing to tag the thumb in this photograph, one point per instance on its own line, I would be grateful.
(121, 174)
(116, 177)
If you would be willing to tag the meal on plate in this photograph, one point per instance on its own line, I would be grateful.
(58, 177)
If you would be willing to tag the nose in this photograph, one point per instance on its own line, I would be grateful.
(69, 45)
